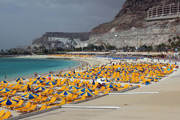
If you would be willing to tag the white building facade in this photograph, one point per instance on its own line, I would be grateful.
(169, 11)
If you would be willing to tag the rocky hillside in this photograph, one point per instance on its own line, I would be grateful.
(132, 14)
(131, 28)
(60, 39)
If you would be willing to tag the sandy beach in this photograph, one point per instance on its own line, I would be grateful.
(164, 105)
(161, 106)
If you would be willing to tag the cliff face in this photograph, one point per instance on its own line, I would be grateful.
(60, 39)
(130, 27)
(132, 14)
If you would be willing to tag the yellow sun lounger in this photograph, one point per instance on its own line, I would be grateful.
(106, 92)
(45, 92)
(2, 113)
(24, 88)
(53, 99)
(82, 98)
(41, 100)
(10, 86)
(31, 109)
(51, 87)
(28, 105)
(62, 88)
(18, 87)
(96, 92)
(58, 83)
(10, 93)
(4, 85)
(43, 107)
(63, 101)
(50, 92)
(6, 115)
(49, 107)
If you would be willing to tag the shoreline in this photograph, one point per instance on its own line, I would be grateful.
(82, 63)
(44, 74)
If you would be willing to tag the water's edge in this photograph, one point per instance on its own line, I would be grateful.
(80, 63)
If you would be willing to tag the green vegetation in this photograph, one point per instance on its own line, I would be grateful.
(110, 47)
(14, 52)
(92, 47)
(129, 49)
(162, 47)
(146, 48)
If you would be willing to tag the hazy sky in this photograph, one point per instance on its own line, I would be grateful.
(21, 21)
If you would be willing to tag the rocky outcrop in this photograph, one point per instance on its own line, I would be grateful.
(152, 35)
(130, 27)
(60, 39)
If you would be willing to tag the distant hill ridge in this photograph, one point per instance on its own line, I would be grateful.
(83, 36)
(61, 39)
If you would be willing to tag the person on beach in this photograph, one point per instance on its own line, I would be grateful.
(5, 76)
(60, 72)
(33, 90)
(28, 88)
(39, 75)
(35, 74)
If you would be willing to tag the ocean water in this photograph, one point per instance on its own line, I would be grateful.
(21, 67)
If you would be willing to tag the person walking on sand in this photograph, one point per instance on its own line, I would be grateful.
(28, 88)
(35, 74)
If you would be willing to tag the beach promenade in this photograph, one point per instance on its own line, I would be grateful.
(162, 106)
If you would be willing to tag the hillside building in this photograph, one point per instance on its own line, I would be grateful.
(169, 11)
